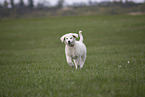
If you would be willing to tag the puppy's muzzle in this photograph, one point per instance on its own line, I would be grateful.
(68, 42)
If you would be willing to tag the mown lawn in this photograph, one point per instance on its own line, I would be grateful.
(32, 58)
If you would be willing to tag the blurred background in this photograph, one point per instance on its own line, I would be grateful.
(32, 57)
(50, 8)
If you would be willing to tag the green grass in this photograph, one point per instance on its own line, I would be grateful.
(33, 64)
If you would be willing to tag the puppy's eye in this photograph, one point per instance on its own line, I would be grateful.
(71, 38)
(66, 38)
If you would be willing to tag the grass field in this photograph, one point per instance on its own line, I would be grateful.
(33, 64)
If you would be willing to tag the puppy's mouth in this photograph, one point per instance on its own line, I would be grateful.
(70, 44)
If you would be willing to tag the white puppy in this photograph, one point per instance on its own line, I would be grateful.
(74, 50)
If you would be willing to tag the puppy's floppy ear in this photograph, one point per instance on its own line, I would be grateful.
(75, 35)
(62, 38)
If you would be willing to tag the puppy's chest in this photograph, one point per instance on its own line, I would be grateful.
(73, 52)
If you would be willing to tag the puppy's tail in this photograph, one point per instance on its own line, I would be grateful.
(81, 36)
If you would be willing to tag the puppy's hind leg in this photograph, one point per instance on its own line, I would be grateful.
(69, 61)
(83, 58)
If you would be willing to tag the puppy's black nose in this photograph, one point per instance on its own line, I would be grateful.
(68, 42)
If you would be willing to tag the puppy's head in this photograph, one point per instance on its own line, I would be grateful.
(69, 39)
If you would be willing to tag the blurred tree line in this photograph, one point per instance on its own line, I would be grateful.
(61, 3)
(30, 4)
(44, 8)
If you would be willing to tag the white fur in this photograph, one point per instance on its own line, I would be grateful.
(74, 50)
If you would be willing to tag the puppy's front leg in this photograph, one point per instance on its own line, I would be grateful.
(69, 61)
(77, 62)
